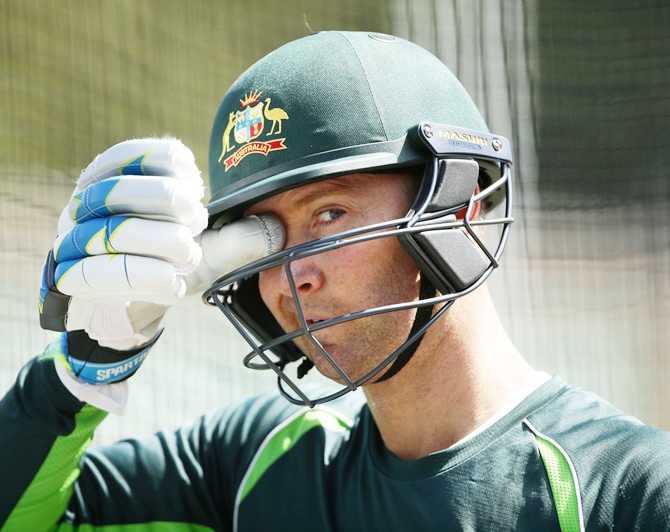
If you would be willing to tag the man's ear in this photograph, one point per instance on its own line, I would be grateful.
(476, 208)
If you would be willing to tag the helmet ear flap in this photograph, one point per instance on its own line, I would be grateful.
(448, 257)
(454, 186)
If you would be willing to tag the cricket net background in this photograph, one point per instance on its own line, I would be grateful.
(581, 89)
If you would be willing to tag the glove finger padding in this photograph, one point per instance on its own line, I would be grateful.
(149, 156)
(167, 241)
(151, 197)
(116, 278)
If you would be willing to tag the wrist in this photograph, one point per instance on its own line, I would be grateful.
(112, 398)
(90, 362)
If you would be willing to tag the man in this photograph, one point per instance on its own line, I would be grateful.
(365, 170)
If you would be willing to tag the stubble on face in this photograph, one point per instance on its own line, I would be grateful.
(350, 279)
(358, 346)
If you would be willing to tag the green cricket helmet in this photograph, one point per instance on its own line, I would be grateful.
(337, 103)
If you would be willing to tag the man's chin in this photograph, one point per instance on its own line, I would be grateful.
(327, 367)
(347, 362)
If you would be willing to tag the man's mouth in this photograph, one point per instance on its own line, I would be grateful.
(312, 321)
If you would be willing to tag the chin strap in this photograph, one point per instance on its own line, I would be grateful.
(423, 314)
(304, 367)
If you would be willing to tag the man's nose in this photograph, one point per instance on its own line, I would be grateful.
(306, 274)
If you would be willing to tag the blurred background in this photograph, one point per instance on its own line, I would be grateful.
(581, 89)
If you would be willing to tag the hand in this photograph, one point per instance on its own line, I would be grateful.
(131, 244)
(124, 248)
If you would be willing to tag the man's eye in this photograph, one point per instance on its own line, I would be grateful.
(329, 215)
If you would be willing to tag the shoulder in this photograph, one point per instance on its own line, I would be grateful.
(592, 428)
(622, 464)
(246, 437)
(249, 423)
(585, 419)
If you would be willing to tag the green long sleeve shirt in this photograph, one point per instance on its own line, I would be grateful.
(561, 459)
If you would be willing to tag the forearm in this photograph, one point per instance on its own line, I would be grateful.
(125, 252)
(45, 431)
(47, 479)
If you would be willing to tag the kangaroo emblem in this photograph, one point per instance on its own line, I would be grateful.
(276, 115)
(226, 136)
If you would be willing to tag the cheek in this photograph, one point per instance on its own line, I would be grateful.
(267, 286)
(381, 263)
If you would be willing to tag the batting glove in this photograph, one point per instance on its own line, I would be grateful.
(124, 248)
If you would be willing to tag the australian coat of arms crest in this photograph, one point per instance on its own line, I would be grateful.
(246, 127)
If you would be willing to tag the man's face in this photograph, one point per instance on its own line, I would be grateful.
(350, 279)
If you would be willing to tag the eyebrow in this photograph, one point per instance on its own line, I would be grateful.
(312, 196)
(326, 188)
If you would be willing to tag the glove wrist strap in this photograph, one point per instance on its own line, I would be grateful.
(95, 364)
